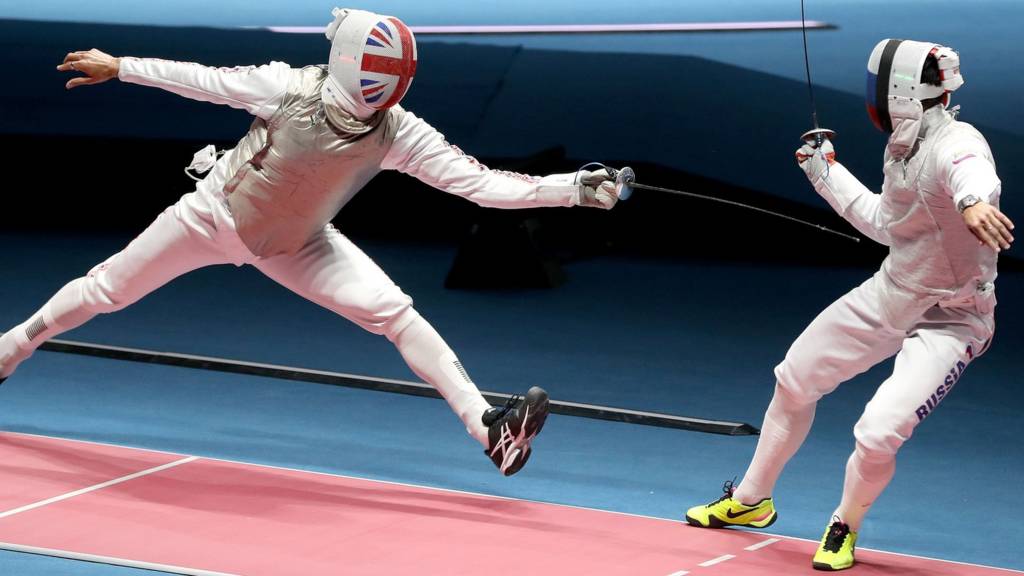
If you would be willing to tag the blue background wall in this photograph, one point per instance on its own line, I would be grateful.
(727, 106)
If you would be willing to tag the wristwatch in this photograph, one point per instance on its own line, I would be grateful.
(966, 202)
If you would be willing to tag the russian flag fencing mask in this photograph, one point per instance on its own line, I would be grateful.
(372, 63)
(894, 78)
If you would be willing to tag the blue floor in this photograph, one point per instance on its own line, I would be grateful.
(671, 336)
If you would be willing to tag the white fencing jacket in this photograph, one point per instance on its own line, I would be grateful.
(931, 250)
(293, 171)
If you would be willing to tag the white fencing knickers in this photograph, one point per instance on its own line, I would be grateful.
(934, 343)
(329, 270)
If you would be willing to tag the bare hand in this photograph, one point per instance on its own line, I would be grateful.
(989, 225)
(97, 67)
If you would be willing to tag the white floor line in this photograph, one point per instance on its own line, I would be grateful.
(760, 545)
(111, 560)
(680, 573)
(508, 498)
(718, 560)
(95, 487)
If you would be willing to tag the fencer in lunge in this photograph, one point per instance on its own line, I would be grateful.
(320, 134)
(931, 304)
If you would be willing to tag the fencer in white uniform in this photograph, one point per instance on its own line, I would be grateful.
(320, 134)
(931, 303)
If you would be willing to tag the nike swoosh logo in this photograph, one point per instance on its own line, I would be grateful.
(733, 516)
(962, 158)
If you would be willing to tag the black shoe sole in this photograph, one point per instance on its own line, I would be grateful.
(827, 568)
(538, 400)
(714, 522)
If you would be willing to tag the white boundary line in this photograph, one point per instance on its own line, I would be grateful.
(95, 487)
(94, 557)
(113, 561)
(719, 560)
(509, 498)
(760, 545)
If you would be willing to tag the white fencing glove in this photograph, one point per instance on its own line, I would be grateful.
(597, 189)
(815, 160)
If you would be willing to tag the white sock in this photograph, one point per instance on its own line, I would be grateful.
(64, 311)
(866, 478)
(432, 360)
(786, 424)
(10, 353)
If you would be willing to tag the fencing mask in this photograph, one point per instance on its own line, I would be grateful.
(895, 86)
(372, 63)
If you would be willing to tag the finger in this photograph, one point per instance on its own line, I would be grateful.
(74, 56)
(596, 178)
(999, 231)
(609, 188)
(79, 64)
(986, 237)
(1004, 219)
(81, 81)
(978, 229)
(606, 200)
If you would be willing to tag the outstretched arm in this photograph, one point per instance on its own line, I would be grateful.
(968, 173)
(848, 197)
(421, 151)
(258, 90)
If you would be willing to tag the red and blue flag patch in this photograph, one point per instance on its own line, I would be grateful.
(388, 65)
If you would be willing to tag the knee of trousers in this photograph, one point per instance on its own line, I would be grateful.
(803, 382)
(880, 433)
(102, 293)
(385, 312)
(399, 322)
(377, 307)
(787, 401)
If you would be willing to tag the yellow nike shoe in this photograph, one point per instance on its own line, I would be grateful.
(728, 511)
(836, 549)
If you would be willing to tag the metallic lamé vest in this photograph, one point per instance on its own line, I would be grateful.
(932, 251)
(290, 175)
